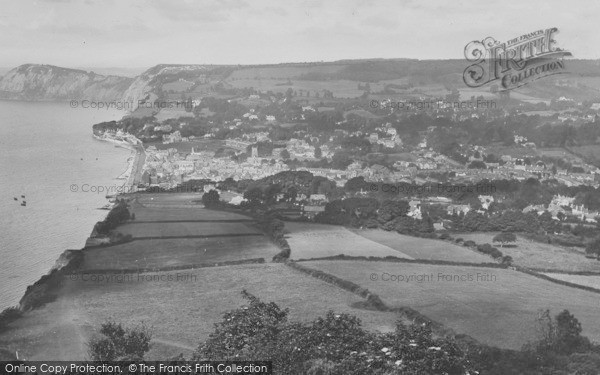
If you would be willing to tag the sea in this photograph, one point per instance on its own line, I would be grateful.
(50, 160)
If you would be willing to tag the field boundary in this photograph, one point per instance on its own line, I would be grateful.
(556, 281)
(392, 259)
(377, 303)
(563, 272)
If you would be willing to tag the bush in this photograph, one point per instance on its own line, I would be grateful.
(120, 344)
(459, 239)
(8, 316)
(469, 243)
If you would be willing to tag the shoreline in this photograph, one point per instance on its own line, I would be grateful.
(132, 172)
(66, 258)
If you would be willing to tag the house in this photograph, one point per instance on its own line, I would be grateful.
(317, 199)
(486, 201)
(237, 200)
(415, 209)
(458, 208)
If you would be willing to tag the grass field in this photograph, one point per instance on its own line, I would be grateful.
(147, 254)
(340, 88)
(281, 72)
(309, 240)
(534, 254)
(182, 312)
(423, 248)
(165, 207)
(500, 313)
(591, 281)
(184, 229)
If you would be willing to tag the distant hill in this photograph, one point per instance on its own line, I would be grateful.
(47, 82)
(172, 81)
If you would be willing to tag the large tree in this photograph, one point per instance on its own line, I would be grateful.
(505, 237)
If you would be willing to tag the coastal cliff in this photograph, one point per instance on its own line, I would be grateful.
(32, 82)
(147, 86)
(47, 82)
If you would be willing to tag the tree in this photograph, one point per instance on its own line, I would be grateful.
(318, 152)
(285, 154)
(355, 184)
(211, 198)
(119, 343)
(477, 164)
(505, 237)
(593, 248)
(334, 344)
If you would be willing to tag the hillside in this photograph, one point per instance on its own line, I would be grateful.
(47, 82)
(174, 81)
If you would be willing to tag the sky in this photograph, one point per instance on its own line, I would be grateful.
(143, 33)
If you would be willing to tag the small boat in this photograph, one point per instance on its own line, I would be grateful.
(22, 196)
(23, 203)
(15, 198)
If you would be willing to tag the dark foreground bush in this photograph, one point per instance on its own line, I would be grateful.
(8, 316)
(335, 344)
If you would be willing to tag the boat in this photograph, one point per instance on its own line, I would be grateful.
(23, 203)
(22, 196)
(15, 198)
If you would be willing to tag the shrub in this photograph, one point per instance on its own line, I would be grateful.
(469, 243)
(120, 344)
(8, 316)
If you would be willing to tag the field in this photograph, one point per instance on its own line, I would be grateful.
(158, 253)
(281, 72)
(534, 254)
(515, 152)
(423, 248)
(498, 311)
(182, 311)
(185, 229)
(175, 112)
(591, 281)
(340, 88)
(170, 234)
(316, 240)
(591, 152)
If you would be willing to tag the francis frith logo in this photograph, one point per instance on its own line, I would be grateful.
(516, 62)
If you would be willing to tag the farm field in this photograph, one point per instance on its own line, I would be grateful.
(591, 281)
(308, 240)
(153, 254)
(281, 72)
(500, 312)
(534, 254)
(340, 88)
(424, 248)
(182, 207)
(192, 300)
(185, 229)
